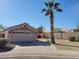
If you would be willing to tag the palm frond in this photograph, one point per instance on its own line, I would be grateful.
(50, 4)
(46, 3)
(56, 5)
(46, 12)
(43, 10)
(60, 10)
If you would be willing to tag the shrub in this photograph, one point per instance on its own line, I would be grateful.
(77, 39)
(72, 38)
(45, 36)
(3, 42)
(39, 36)
(42, 36)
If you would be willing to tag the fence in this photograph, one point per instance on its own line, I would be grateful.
(65, 35)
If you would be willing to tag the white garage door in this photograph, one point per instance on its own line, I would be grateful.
(22, 36)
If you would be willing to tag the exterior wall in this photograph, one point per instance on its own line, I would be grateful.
(57, 35)
(66, 35)
(6, 34)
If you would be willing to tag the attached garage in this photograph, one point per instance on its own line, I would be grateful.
(22, 32)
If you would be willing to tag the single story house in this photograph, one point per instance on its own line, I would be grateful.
(21, 32)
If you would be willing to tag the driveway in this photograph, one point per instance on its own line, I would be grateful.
(27, 50)
(25, 44)
(32, 43)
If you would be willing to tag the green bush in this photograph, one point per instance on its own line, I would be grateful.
(77, 39)
(3, 42)
(72, 38)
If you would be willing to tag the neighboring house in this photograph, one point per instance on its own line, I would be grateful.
(19, 33)
(76, 30)
(65, 30)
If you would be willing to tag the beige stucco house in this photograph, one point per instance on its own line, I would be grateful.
(21, 32)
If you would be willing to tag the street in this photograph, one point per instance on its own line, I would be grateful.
(39, 57)
(39, 52)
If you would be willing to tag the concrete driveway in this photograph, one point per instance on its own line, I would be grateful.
(27, 50)
(32, 43)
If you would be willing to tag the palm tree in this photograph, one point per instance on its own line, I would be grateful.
(49, 10)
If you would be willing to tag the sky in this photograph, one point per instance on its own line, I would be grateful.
(13, 12)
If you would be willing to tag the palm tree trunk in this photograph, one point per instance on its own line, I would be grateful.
(52, 29)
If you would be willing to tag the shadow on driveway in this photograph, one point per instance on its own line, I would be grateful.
(32, 43)
(9, 47)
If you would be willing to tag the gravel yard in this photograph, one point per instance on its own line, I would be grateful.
(66, 45)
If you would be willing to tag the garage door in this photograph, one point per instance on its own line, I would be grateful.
(22, 36)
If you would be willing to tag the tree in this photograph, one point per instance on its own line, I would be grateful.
(1, 28)
(40, 29)
(49, 10)
(57, 30)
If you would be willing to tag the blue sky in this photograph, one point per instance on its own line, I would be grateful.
(14, 12)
